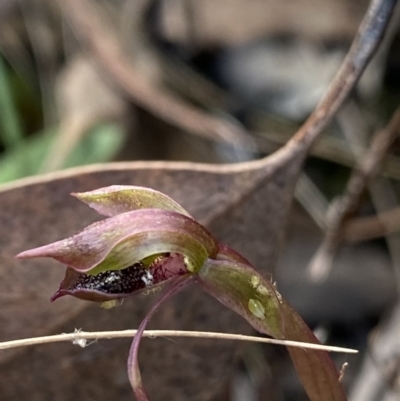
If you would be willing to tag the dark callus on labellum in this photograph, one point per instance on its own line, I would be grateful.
(114, 284)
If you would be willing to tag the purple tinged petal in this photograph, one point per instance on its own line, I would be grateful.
(117, 199)
(123, 240)
(316, 369)
(227, 253)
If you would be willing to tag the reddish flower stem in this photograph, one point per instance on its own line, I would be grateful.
(135, 377)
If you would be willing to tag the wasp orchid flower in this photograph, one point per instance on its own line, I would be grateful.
(148, 240)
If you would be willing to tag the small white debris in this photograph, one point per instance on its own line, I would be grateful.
(341, 375)
(111, 278)
(279, 296)
(148, 278)
(82, 342)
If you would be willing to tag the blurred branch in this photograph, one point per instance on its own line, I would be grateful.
(366, 228)
(363, 47)
(84, 101)
(341, 208)
(89, 25)
(380, 372)
(86, 20)
(103, 44)
(381, 190)
(330, 148)
(181, 77)
(312, 199)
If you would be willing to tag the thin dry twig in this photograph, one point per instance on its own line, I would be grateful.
(312, 199)
(329, 148)
(341, 208)
(367, 40)
(366, 228)
(383, 197)
(78, 335)
(378, 378)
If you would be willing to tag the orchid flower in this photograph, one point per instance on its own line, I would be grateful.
(148, 241)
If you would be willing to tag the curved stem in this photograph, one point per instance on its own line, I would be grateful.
(135, 377)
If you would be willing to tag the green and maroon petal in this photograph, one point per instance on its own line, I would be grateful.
(128, 238)
(117, 199)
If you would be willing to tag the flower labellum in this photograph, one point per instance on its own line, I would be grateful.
(116, 284)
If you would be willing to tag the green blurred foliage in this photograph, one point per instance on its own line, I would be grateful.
(24, 143)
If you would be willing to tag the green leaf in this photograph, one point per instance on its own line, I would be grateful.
(244, 290)
(10, 127)
(99, 145)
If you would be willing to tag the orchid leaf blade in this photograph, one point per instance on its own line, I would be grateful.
(241, 288)
(315, 368)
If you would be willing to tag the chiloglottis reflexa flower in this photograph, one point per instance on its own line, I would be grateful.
(148, 240)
